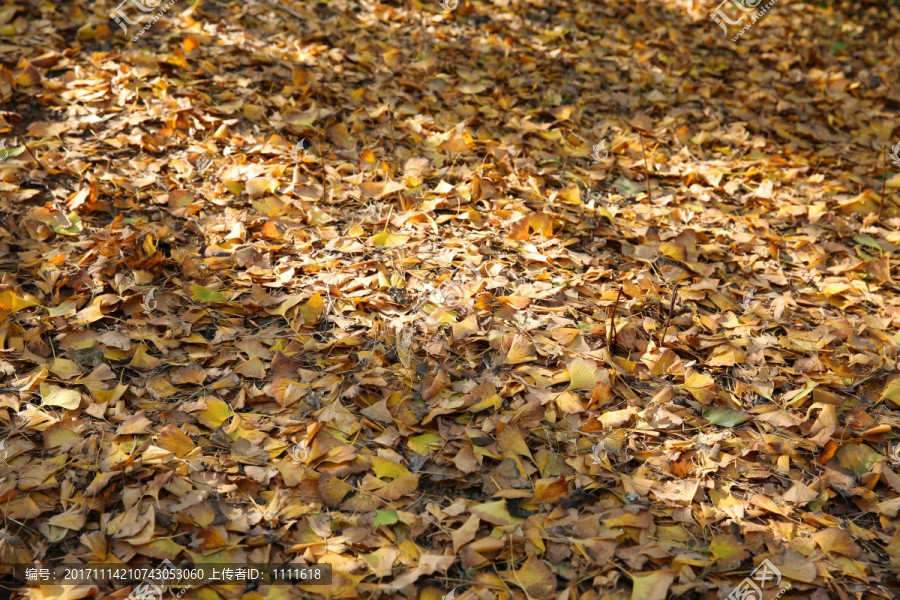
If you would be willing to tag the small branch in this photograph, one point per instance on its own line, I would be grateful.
(324, 175)
(883, 181)
(662, 337)
(289, 11)
(375, 129)
(393, 147)
(646, 168)
(611, 343)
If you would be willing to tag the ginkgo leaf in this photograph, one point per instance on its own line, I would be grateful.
(726, 417)
(534, 577)
(651, 586)
(388, 240)
(402, 481)
(891, 390)
(11, 152)
(583, 374)
(425, 443)
(12, 302)
(198, 292)
(699, 386)
(313, 309)
(385, 517)
(332, 489)
(73, 227)
(52, 395)
(521, 351)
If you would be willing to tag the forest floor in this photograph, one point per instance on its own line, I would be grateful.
(520, 299)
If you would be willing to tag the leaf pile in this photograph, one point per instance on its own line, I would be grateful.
(340, 282)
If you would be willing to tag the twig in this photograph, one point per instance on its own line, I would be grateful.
(375, 129)
(324, 175)
(883, 181)
(19, 137)
(662, 337)
(393, 146)
(646, 168)
(289, 11)
(612, 342)
(878, 373)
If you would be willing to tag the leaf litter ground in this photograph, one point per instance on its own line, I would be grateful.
(342, 283)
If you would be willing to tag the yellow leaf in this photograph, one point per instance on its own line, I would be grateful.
(215, 413)
(651, 586)
(837, 540)
(235, 187)
(68, 520)
(64, 368)
(11, 302)
(143, 361)
(492, 401)
(892, 390)
(582, 374)
(615, 419)
(388, 240)
(174, 440)
(465, 533)
(495, 513)
(387, 468)
(522, 351)
(52, 395)
(94, 311)
(332, 490)
(402, 481)
(699, 386)
(253, 369)
(368, 156)
(535, 577)
(258, 186)
(894, 182)
(465, 328)
(312, 310)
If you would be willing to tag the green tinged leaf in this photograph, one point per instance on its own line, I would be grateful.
(725, 417)
(868, 240)
(385, 517)
(206, 295)
(859, 458)
(11, 152)
(423, 444)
